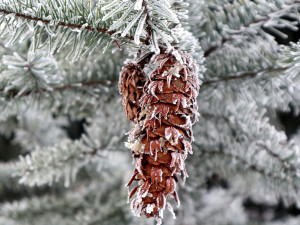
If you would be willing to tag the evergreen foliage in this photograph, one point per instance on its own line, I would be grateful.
(60, 62)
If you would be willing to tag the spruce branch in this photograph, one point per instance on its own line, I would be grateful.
(233, 137)
(46, 165)
(243, 75)
(87, 203)
(285, 164)
(284, 161)
(252, 166)
(255, 142)
(268, 20)
(73, 21)
(67, 77)
(240, 76)
(78, 103)
(219, 203)
(49, 164)
(14, 93)
(64, 24)
(149, 22)
(35, 72)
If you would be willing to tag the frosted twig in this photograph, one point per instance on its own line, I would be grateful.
(254, 23)
(63, 24)
(13, 93)
(243, 75)
(250, 166)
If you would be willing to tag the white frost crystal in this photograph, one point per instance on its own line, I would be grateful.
(150, 208)
(137, 146)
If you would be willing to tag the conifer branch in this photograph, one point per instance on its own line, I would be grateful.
(14, 93)
(243, 75)
(64, 24)
(257, 23)
(287, 166)
(251, 166)
(49, 164)
(284, 163)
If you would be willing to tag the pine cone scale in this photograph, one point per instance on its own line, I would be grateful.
(132, 80)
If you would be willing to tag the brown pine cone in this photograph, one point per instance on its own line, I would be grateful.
(131, 83)
(162, 136)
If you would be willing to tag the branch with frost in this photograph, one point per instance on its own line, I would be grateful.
(84, 206)
(81, 87)
(291, 59)
(271, 19)
(226, 22)
(267, 88)
(220, 205)
(25, 75)
(254, 143)
(73, 23)
(85, 27)
(38, 128)
(49, 164)
(253, 54)
(40, 74)
(48, 21)
(78, 102)
(148, 20)
(249, 52)
(242, 162)
(243, 75)
(31, 210)
(72, 86)
(278, 83)
(101, 200)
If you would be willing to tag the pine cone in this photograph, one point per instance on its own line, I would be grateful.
(162, 136)
(131, 83)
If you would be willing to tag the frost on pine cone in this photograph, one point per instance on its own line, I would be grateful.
(162, 135)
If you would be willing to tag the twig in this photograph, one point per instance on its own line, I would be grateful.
(63, 24)
(258, 22)
(14, 93)
(284, 163)
(252, 167)
(243, 75)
